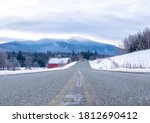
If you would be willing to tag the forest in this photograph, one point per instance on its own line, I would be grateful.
(15, 60)
(139, 41)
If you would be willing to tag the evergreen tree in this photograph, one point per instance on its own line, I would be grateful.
(20, 58)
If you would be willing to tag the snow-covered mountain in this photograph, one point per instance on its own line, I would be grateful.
(140, 60)
(61, 45)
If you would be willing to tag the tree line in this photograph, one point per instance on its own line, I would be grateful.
(15, 60)
(139, 41)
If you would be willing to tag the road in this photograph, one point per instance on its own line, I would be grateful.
(77, 86)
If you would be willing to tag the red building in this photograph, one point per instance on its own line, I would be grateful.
(58, 62)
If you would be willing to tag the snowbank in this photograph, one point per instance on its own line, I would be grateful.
(23, 70)
(134, 62)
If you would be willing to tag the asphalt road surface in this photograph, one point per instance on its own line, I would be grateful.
(77, 86)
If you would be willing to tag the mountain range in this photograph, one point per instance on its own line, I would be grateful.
(61, 45)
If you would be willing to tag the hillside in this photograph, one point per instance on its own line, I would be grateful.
(135, 60)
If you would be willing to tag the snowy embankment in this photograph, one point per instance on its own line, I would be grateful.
(35, 70)
(132, 62)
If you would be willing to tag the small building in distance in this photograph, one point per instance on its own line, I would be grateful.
(58, 62)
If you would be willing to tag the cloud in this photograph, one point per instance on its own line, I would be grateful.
(109, 19)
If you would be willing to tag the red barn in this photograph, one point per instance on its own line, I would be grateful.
(58, 62)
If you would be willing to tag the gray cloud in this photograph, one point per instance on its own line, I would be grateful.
(111, 20)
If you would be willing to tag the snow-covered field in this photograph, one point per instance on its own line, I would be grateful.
(132, 62)
(23, 70)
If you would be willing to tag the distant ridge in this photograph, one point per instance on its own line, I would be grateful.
(61, 45)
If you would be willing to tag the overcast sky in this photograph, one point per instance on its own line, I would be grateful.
(107, 20)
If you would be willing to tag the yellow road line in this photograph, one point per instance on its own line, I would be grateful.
(68, 87)
(75, 81)
(86, 91)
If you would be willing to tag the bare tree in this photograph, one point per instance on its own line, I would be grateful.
(146, 34)
(3, 57)
(8, 64)
(14, 63)
(139, 41)
(35, 65)
(28, 62)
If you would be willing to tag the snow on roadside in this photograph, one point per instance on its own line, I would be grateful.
(132, 62)
(23, 70)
